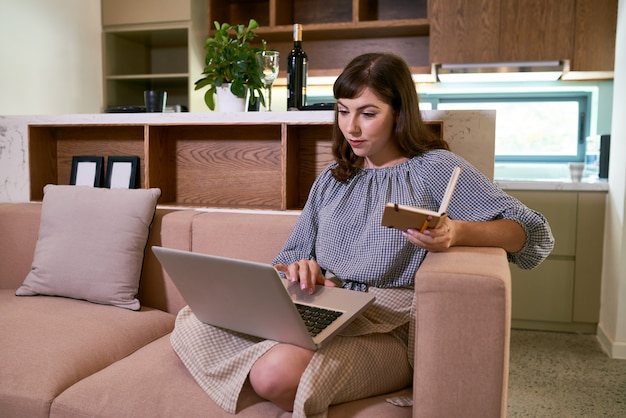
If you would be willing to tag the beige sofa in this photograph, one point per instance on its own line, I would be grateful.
(69, 358)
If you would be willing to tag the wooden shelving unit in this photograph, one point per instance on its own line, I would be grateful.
(255, 165)
(335, 31)
(139, 59)
(153, 45)
(255, 160)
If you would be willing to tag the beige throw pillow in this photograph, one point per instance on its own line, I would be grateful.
(91, 244)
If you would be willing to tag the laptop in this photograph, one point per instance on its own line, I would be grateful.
(252, 298)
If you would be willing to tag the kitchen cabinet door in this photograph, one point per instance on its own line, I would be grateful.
(537, 30)
(464, 31)
(594, 41)
(468, 31)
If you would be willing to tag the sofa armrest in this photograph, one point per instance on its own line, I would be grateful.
(462, 333)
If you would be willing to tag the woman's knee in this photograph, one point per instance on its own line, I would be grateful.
(275, 375)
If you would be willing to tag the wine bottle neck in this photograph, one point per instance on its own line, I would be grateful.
(297, 33)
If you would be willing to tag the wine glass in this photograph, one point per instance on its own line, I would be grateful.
(268, 60)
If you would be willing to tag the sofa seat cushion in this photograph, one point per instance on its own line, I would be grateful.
(49, 343)
(153, 382)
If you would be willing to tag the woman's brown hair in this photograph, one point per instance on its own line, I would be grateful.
(389, 77)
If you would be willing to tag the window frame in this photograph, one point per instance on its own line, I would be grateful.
(583, 98)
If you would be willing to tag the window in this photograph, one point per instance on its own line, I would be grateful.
(541, 127)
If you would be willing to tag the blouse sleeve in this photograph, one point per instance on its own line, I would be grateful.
(476, 198)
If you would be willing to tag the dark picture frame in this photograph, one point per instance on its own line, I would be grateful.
(122, 172)
(87, 170)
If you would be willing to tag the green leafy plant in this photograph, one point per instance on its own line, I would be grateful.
(231, 60)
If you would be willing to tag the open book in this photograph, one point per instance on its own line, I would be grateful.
(405, 217)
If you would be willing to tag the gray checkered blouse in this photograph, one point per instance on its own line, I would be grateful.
(340, 225)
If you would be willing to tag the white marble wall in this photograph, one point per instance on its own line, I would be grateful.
(13, 159)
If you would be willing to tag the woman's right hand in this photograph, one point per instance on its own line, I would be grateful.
(307, 272)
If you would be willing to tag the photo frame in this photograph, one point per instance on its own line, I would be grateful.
(122, 172)
(87, 170)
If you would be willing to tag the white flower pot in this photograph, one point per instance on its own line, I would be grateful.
(228, 102)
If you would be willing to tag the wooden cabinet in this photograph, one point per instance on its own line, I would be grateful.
(255, 160)
(464, 31)
(536, 30)
(335, 31)
(153, 48)
(594, 36)
(563, 293)
(469, 31)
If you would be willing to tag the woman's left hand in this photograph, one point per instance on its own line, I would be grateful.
(433, 239)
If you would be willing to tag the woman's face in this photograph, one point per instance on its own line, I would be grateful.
(367, 124)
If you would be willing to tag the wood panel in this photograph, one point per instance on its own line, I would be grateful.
(218, 165)
(309, 153)
(329, 57)
(223, 173)
(594, 42)
(322, 11)
(42, 154)
(464, 31)
(282, 13)
(160, 165)
(536, 30)
(400, 9)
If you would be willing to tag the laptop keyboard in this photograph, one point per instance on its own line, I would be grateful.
(315, 318)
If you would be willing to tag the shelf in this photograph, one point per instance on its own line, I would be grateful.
(128, 90)
(335, 31)
(146, 59)
(51, 149)
(143, 77)
(348, 30)
(146, 52)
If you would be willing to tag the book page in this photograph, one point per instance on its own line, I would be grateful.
(454, 178)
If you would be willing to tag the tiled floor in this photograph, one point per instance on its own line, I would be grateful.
(564, 375)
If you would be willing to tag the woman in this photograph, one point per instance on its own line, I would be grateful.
(384, 153)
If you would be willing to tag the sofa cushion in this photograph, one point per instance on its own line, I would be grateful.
(91, 244)
(154, 382)
(171, 229)
(257, 236)
(19, 225)
(49, 343)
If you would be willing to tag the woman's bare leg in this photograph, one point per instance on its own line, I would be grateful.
(276, 374)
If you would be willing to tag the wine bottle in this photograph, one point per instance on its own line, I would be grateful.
(297, 64)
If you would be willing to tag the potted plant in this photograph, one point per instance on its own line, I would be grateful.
(231, 61)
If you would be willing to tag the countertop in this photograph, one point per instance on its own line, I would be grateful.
(586, 185)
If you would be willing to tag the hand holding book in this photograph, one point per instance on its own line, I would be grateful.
(405, 217)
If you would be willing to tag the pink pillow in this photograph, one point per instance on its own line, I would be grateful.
(91, 244)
